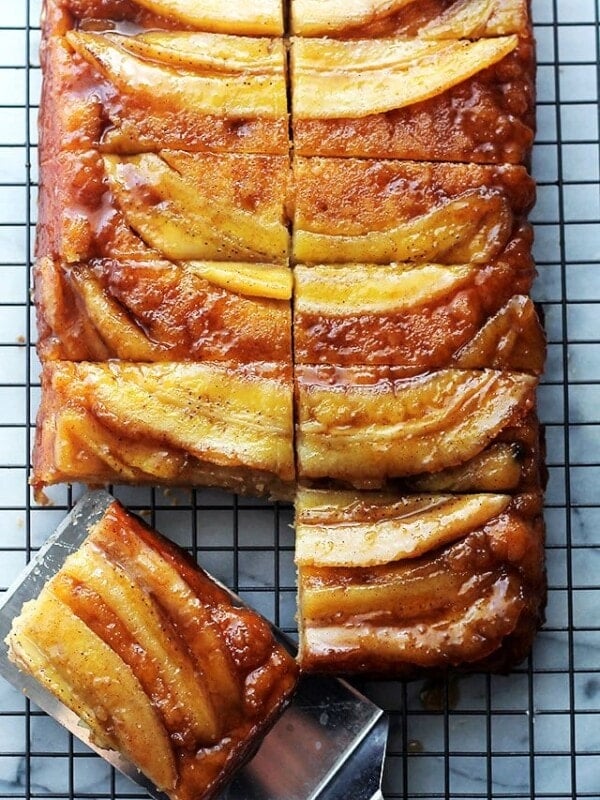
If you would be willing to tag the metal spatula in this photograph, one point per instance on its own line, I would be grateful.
(328, 745)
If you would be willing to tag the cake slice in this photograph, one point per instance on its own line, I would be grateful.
(435, 19)
(369, 427)
(393, 584)
(161, 311)
(183, 424)
(468, 100)
(172, 204)
(163, 89)
(382, 211)
(154, 658)
(419, 317)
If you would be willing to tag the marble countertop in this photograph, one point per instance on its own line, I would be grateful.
(533, 734)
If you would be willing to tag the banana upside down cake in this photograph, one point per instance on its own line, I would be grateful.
(153, 657)
(285, 251)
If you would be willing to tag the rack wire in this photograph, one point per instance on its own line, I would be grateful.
(534, 734)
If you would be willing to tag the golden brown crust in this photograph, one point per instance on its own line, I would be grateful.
(354, 210)
(159, 311)
(208, 677)
(182, 424)
(466, 591)
(488, 118)
(364, 426)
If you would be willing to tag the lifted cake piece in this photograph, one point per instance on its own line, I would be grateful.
(396, 584)
(154, 658)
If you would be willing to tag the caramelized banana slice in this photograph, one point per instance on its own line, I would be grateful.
(427, 99)
(178, 683)
(389, 591)
(364, 425)
(465, 19)
(85, 447)
(205, 52)
(438, 19)
(498, 469)
(207, 91)
(251, 280)
(417, 317)
(102, 680)
(341, 80)
(190, 206)
(331, 17)
(365, 289)
(171, 216)
(403, 529)
(263, 17)
(475, 635)
(513, 338)
(460, 230)
(28, 657)
(382, 212)
(201, 92)
(111, 321)
(127, 543)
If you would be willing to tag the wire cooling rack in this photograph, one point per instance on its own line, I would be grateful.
(534, 734)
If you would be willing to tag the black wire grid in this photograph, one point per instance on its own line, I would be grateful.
(534, 734)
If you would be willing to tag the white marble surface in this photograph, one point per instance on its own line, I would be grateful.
(534, 734)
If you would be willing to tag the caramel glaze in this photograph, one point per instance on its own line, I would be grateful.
(428, 338)
(414, 17)
(78, 216)
(182, 315)
(355, 196)
(436, 595)
(61, 16)
(87, 106)
(431, 335)
(488, 119)
(264, 672)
